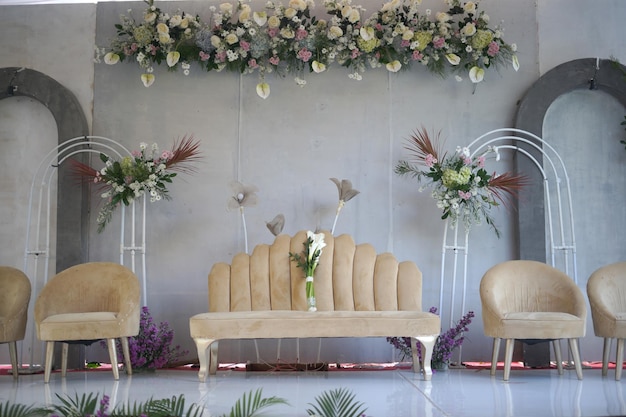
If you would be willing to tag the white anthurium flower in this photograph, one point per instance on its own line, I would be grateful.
(147, 79)
(172, 58)
(476, 74)
(393, 66)
(263, 90)
(260, 18)
(318, 67)
(367, 33)
(111, 58)
(453, 59)
(514, 61)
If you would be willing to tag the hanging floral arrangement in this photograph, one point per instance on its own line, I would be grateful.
(146, 173)
(461, 186)
(291, 40)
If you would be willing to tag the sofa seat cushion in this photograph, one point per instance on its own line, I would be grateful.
(302, 324)
(541, 325)
(80, 326)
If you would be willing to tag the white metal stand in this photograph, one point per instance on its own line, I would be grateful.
(38, 226)
(552, 170)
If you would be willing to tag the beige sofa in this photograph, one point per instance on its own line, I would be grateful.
(359, 294)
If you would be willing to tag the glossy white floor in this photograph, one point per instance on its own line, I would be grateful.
(388, 393)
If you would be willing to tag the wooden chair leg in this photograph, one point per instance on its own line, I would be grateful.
(113, 358)
(13, 354)
(64, 350)
(494, 355)
(556, 344)
(508, 358)
(573, 346)
(126, 353)
(48, 366)
(606, 350)
(619, 359)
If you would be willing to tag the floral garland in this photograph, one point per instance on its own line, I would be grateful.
(288, 39)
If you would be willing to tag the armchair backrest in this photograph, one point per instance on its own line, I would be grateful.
(529, 286)
(90, 287)
(349, 277)
(15, 292)
(606, 289)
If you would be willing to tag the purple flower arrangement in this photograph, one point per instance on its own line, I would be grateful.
(445, 345)
(151, 348)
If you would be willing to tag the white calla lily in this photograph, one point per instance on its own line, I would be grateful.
(263, 90)
(147, 79)
(393, 66)
(111, 58)
(172, 58)
(318, 67)
(476, 74)
(453, 59)
(514, 61)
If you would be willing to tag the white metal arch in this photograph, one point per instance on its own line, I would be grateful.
(552, 170)
(38, 226)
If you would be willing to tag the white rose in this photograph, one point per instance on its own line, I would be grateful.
(175, 21)
(290, 12)
(442, 17)
(336, 31)
(226, 8)
(231, 38)
(354, 16)
(345, 11)
(469, 29)
(470, 7)
(150, 17)
(407, 35)
(216, 41)
(244, 15)
(162, 28)
(164, 38)
(287, 33)
(297, 4)
(273, 22)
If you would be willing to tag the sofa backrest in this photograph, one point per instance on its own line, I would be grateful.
(349, 277)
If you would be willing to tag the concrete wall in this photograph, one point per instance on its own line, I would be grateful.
(289, 145)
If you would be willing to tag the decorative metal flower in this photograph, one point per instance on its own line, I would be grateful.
(275, 226)
(243, 196)
(346, 193)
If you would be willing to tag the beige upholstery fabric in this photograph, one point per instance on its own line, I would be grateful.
(531, 300)
(14, 300)
(606, 290)
(359, 294)
(91, 301)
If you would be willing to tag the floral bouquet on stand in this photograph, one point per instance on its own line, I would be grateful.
(308, 261)
(147, 171)
(460, 184)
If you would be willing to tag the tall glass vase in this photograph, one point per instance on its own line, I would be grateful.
(310, 294)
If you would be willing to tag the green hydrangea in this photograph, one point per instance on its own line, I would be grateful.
(481, 39)
(452, 178)
(367, 46)
(423, 38)
(142, 35)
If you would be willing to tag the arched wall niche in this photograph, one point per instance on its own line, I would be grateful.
(73, 201)
(569, 76)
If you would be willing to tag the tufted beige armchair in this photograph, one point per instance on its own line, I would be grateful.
(14, 300)
(91, 301)
(606, 290)
(531, 300)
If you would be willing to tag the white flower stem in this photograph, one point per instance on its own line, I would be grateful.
(332, 231)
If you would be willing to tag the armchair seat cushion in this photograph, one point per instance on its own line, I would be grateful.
(79, 326)
(541, 325)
